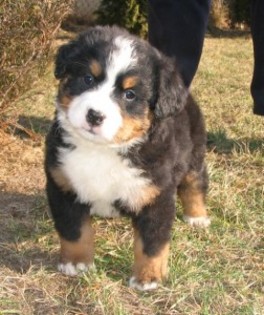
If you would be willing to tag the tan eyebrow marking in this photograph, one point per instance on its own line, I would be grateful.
(129, 82)
(95, 68)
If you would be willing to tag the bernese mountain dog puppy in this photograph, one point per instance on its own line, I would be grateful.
(126, 139)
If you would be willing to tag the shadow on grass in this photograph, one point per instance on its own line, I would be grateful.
(220, 143)
(24, 222)
(36, 125)
(28, 238)
(227, 33)
(28, 127)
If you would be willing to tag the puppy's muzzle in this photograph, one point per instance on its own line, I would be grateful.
(94, 118)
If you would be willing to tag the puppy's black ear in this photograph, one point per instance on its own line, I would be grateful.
(64, 59)
(172, 93)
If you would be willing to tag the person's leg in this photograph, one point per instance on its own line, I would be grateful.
(177, 28)
(257, 30)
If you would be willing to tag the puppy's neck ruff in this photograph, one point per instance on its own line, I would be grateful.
(100, 176)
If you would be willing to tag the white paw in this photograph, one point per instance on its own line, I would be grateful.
(142, 287)
(72, 270)
(197, 221)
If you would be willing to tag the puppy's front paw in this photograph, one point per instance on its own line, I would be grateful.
(133, 283)
(202, 221)
(70, 269)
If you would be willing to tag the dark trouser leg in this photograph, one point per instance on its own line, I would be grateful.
(257, 30)
(177, 28)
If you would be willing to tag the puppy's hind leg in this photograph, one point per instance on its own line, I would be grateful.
(192, 193)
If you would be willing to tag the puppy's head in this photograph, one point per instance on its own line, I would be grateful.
(113, 85)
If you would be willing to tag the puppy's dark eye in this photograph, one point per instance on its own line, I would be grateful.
(88, 79)
(130, 95)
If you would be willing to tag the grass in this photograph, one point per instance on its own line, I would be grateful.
(218, 271)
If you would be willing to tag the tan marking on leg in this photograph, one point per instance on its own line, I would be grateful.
(80, 251)
(129, 82)
(147, 269)
(60, 179)
(132, 128)
(146, 197)
(193, 204)
(96, 68)
(192, 198)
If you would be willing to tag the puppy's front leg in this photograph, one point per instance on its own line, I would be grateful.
(77, 255)
(73, 224)
(148, 270)
(151, 244)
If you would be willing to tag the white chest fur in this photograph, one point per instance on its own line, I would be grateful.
(100, 176)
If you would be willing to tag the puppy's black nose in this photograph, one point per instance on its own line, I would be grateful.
(94, 117)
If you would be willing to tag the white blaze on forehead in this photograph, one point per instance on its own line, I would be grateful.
(122, 58)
